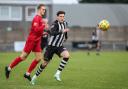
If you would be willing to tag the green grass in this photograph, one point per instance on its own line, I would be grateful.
(107, 71)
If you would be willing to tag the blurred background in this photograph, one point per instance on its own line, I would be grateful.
(82, 16)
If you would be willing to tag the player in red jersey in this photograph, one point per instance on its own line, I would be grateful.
(32, 44)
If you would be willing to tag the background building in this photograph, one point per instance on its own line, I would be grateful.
(16, 16)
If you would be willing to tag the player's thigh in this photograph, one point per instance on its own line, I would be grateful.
(45, 63)
(38, 56)
(37, 47)
(49, 52)
(63, 52)
(27, 49)
(29, 45)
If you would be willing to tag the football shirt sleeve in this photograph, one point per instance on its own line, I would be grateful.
(37, 27)
(54, 29)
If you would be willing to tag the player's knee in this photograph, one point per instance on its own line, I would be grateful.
(24, 55)
(23, 58)
(45, 63)
(38, 59)
(66, 55)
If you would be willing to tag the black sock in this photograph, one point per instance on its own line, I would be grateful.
(39, 70)
(63, 63)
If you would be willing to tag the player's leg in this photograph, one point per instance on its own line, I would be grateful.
(38, 56)
(15, 62)
(90, 44)
(65, 55)
(47, 57)
(98, 48)
(39, 71)
(33, 65)
(89, 49)
(27, 49)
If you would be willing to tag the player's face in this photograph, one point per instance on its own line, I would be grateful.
(42, 10)
(61, 17)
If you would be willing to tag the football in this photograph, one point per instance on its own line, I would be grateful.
(104, 25)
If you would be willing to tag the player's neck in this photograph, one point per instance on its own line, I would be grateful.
(39, 14)
(60, 21)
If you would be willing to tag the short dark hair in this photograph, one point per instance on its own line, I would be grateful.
(60, 12)
(40, 5)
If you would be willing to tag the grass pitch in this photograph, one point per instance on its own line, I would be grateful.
(107, 71)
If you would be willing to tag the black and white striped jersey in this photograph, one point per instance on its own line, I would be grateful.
(57, 37)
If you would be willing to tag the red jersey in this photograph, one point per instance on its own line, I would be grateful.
(37, 28)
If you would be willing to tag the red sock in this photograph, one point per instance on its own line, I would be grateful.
(15, 62)
(32, 66)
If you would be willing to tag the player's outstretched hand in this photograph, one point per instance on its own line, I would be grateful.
(45, 21)
(46, 26)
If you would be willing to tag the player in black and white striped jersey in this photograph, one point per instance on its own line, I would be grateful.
(95, 41)
(58, 34)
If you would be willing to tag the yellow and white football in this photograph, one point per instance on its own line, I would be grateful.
(104, 25)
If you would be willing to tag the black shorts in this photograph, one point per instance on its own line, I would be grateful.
(50, 50)
(94, 41)
(44, 42)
